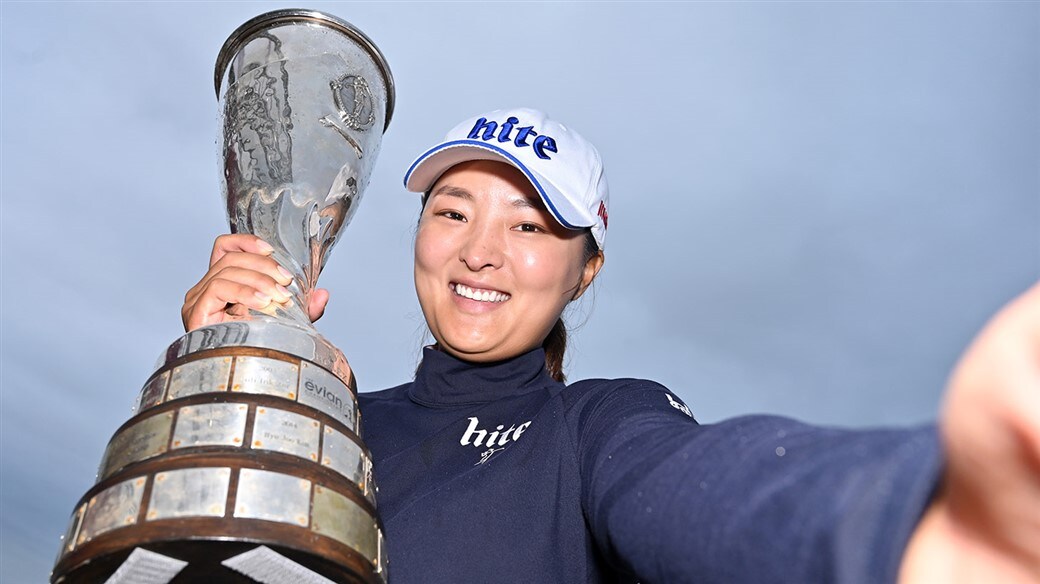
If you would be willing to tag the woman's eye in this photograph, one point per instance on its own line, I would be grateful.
(453, 215)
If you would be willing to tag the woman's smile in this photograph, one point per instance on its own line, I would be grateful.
(478, 294)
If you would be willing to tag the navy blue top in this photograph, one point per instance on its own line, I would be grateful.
(497, 473)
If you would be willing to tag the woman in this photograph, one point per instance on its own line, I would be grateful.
(492, 470)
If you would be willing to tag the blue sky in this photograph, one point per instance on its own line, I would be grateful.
(814, 205)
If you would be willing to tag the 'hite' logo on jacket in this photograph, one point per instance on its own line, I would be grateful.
(541, 144)
(498, 437)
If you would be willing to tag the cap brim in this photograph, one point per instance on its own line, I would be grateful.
(429, 167)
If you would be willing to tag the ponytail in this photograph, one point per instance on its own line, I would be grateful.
(555, 346)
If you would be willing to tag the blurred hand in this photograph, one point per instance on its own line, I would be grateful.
(241, 275)
(984, 526)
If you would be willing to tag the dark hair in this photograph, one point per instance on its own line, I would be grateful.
(555, 345)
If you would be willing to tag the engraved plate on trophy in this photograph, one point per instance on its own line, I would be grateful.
(344, 456)
(382, 552)
(370, 487)
(189, 492)
(153, 391)
(138, 442)
(267, 376)
(73, 531)
(321, 390)
(329, 509)
(287, 432)
(200, 376)
(219, 424)
(273, 496)
(115, 507)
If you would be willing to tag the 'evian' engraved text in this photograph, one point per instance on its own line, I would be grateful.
(323, 392)
(497, 437)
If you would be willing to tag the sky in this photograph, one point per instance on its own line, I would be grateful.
(815, 205)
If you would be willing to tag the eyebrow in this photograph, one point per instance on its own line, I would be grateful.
(523, 203)
(459, 192)
(453, 191)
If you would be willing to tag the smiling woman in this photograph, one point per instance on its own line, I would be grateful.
(503, 174)
(491, 469)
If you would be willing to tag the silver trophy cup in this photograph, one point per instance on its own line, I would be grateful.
(243, 461)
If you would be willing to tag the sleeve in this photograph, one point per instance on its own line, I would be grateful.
(755, 499)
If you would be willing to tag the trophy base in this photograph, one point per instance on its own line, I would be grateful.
(233, 448)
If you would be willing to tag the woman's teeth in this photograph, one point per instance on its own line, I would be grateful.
(480, 295)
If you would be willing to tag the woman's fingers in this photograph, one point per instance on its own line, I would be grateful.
(242, 275)
(238, 242)
(262, 273)
(985, 524)
(991, 427)
(239, 263)
(251, 261)
(216, 297)
(319, 300)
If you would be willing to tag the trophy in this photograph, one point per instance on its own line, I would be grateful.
(243, 460)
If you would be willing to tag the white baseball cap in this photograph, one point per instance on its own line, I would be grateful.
(564, 168)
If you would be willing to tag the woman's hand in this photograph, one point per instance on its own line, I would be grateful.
(984, 525)
(241, 275)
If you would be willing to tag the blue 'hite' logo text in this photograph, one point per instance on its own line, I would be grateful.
(541, 144)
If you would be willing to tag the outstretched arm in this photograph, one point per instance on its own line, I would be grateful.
(754, 500)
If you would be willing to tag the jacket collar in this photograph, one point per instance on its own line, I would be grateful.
(446, 380)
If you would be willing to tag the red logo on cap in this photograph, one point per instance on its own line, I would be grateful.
(602, 213)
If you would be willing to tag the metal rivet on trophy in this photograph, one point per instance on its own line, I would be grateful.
(243, 461)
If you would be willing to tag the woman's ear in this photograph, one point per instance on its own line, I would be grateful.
(589, 272)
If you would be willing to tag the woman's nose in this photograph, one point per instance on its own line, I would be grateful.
(482, 249)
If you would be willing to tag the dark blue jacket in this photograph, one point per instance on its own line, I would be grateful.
(497, 473)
